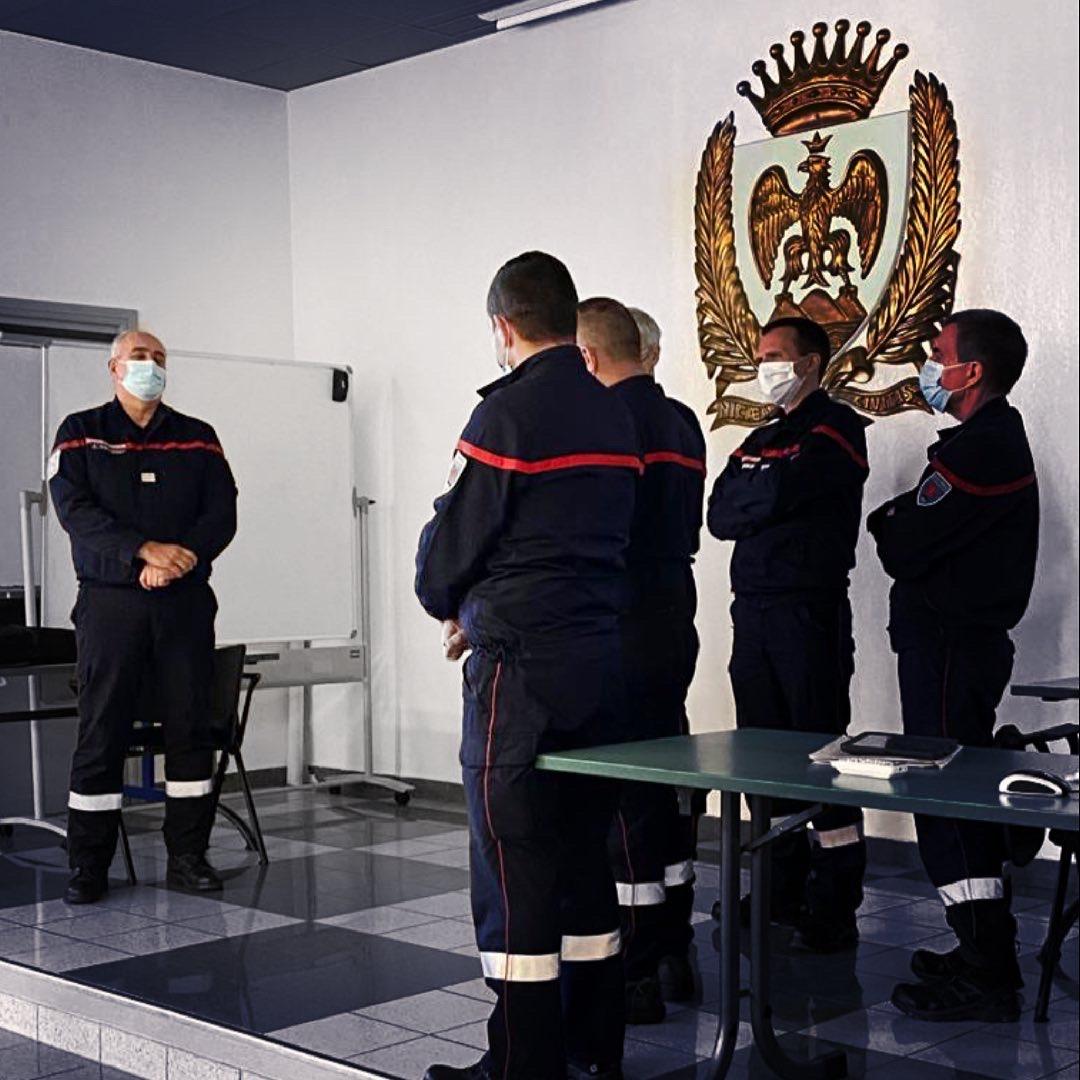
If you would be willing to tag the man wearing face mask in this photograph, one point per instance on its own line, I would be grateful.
(961, 546)
(791, 499)
(149, 502)
(524, 563)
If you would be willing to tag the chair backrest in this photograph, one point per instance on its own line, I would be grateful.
(1011, 737)
(225, 693)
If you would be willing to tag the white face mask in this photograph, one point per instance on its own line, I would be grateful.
(144, 379)
(777, 381)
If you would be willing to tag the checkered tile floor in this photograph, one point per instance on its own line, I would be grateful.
(356, 941)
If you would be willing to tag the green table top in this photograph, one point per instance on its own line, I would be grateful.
(774, 763)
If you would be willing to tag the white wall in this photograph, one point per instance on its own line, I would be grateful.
(128, 184)
(412, 183)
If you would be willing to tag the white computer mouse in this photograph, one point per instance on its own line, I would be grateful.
(1033, 782)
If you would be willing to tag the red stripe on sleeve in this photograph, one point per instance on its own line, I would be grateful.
(669, 457)
(832, 433)
(552, 464)
(983, 489)
(124, 447)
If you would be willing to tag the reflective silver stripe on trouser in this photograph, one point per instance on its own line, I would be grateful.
(680, 873)
(833, 838)
(640, 894)
(591, 946)
(520, 967)
(188, 789)
(969, 889)
(94, 802)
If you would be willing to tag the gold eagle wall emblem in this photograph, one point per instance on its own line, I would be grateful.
(901, 233)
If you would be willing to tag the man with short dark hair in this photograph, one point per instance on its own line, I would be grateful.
(961, 547)
(524, 562)
(148, 500)
(791, 499)
(650, 848)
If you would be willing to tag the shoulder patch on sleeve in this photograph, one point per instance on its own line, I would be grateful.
(457, 467)
(933, 489)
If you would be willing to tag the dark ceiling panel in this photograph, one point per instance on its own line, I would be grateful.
(196, 49)
(317, 25)
(284, 44)
(303, 70)
(393, 44)
(185, 11)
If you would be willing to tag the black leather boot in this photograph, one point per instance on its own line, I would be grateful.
(86, 886)
(193, 873)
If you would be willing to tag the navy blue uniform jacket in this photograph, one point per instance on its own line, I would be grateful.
(528, 542)
(962, 543)
(791, 499)
(116, 485)
(670, 498)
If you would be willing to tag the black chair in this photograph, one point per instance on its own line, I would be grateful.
(1061, 918)
(228, 725)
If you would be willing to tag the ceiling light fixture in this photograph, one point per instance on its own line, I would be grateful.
(531, 11)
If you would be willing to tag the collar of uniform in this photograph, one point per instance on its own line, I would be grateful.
(809, 406)
(990, 411)
(119, 415)
(531, 365)
(643, 383)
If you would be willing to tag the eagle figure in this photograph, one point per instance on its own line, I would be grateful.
(861, 198)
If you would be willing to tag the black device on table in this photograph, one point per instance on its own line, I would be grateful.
(894, 745)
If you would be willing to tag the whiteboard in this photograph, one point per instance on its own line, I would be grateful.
(290, 573)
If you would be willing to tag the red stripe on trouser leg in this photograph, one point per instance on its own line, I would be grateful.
(502, 862)
(629, 872)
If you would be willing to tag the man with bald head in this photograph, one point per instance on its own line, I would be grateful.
(651, 844)
(148, 499)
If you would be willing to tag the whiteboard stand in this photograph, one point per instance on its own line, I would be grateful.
(402, 791)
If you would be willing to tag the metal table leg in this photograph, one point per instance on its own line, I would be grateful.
(825, 1067)
(729, 935)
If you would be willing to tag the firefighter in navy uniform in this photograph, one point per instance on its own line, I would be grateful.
(149, 502)
(791, 499)
(524, 561)
(961, 547)
(651, 849)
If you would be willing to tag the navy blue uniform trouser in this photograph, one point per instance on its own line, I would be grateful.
(791, 667)
(141, 654)
(651, 844)
(950, 685)
(543, 897)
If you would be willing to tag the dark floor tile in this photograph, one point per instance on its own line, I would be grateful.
(278, 978)
(26, 884)
(33, 1061)
(385, 879)
(1004, 1058)
(893, 962)
(906, 1069)
(335, 883)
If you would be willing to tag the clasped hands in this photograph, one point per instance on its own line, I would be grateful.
(165, 563)
(454, 642)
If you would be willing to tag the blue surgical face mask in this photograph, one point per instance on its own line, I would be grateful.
(144, 379)
(937, 396)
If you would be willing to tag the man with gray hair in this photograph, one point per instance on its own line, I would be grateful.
(651, 843)
(147, 497)
(649, 332)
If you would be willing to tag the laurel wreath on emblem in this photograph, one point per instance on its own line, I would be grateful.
(918, 296)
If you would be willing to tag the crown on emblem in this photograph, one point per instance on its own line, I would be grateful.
(828, 88)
